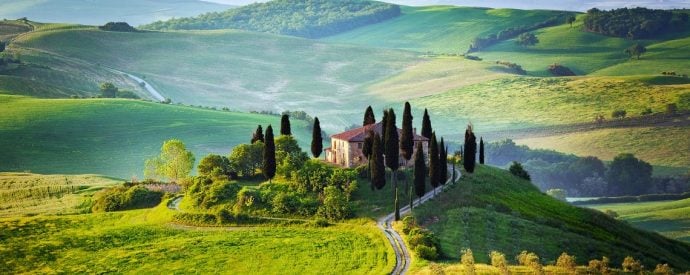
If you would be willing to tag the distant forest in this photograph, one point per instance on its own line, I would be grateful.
(303, 18)
(637, 23)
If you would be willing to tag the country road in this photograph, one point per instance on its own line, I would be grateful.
(402, 254)
(154, 93)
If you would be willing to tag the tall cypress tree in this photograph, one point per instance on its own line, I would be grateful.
(258, 135)
(269, 162)
(481, 150)
(470, 152)
(434, 176)
(285, 125)
(419, 172)
(407, 137)
(378, 170)
(316, 139)
(368, 143)
(369, 117)
(393, 155)
(384, 120)
(443, 163)
(426, 125)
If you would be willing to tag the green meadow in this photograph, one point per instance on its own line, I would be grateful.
(143, 241)
(669, 218)
(114, 136)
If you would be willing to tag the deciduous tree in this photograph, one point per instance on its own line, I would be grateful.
(108, 90)
(175, 162)
(636, 50)
(527, 39)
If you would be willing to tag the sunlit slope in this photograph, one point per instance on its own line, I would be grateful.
(114, 137)
(439, 29)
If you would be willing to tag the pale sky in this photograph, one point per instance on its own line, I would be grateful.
(580, 5)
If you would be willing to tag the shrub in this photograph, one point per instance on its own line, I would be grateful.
(335, 205)
(512, 66)
(611, 213)
(123, 198)
(619, 114)
(220, 192)
(631, 265)
(566, 262)
(117, 27)
(224, 216)
(285, 203)
(498, 260)
(531, 260)
(467, 260)
(426, 252)
(671, 109)
(560, 70)
(663, 269)
(320, 222)
(599, 266)
(517, 170)
(408, 222)
(436, 269)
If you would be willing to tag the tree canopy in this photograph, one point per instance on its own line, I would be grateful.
(636, 50)
(369, 117)
(527, 39)
(303, 18)
(407, 137)
(175, 162)
(426, 125)
(269, 155)
(628, 175)
(316, 139)
(285, 128)
(635, 23)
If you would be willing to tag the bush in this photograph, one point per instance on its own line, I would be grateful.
(566, 262)
(123, 198)
(611, 213)
(619, 114)
(195, 218)
(117, 27)
(663, 269)
(517, 170)
(599, 266)
(426, 252)
(560, 70)
(512, 66)
(631, 265)
(531, 260)
(335, 205)
(467, 260)
(285, 203)
(224, 216)
(498, 260)
(408, 223)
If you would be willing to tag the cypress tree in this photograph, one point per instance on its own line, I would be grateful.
(434, 175)
(369, 117)
(285, 125)
(407, 137)
(316, 139)
(378, 170)
(269, 161)
(258, 135)
(419, 172)
(481, 150)
(470, 156)
(384, 120)
(426, 125)
(443, 163)
(392, 152)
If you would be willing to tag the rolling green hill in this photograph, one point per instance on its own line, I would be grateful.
(227, 68)
(114, 137)
(670, 218)
(493, 210)
(439, 29)
(99, 12)
(302, 18)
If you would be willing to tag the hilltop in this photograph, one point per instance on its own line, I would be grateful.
(134, 12)
(494, 210)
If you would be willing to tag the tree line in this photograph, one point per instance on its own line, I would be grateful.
(483, 42)
(635, 23)
(303, 18)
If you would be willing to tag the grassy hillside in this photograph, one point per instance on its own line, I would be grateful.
(526, 101)
(607, 143)
(142, 241)
(99, 12)
(240, 70)
(310, 19)
(670, 218)
(114, 137)
(493, 210)
(439, 29)
(31, 194)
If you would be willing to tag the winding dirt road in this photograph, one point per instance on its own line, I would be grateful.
(402, 253)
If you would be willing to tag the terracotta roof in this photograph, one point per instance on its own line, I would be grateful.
(359, 134)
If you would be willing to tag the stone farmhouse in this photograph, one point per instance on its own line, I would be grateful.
(346, 147)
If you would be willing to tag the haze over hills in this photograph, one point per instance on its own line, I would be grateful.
(99, 12)
(572, 5)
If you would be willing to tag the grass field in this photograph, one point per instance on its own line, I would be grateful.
(645, 143)
(142, 241)
(31, 194)
(670, 218)
(493, 210)
(439, 29)
(228, 68)
(134, 12)
(114, 137)
(529, 101)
